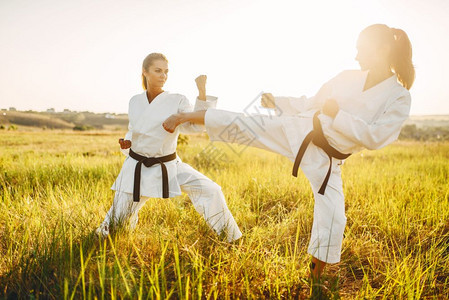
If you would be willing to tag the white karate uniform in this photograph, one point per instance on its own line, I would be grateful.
(150, 139)
(368, 119)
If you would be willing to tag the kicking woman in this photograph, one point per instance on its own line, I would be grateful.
(355, 110)
(152, 168)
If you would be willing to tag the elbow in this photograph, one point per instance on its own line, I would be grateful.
(379, 143)
(372, 146)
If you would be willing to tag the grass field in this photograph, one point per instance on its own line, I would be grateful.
(55, 190)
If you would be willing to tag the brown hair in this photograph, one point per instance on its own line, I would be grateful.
(401, 51)
(147, 62)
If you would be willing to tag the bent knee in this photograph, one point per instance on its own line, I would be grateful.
(211, 188)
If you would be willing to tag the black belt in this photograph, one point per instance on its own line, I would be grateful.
(317, 137)
(148, 162)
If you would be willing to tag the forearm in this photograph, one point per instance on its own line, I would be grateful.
(196, 117)
(202, 94)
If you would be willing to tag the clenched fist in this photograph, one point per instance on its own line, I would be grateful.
(267, 100)
(201, 85)
(201, 82)
(330, 108)
(124, 144)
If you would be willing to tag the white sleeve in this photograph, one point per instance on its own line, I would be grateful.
(210, 102)
(185, 106)
(383, 131)
(129, 134)
(292, 106)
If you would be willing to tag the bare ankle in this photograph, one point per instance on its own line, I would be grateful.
(316, 268)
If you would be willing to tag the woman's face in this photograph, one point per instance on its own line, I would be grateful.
(157, 73)
(370, 55)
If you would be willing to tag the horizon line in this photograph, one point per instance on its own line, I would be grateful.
(125, 113)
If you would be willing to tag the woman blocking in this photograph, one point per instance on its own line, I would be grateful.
(152, 168)
(356, 110)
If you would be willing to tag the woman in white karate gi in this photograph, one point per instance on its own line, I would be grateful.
(152, 156)
(355, 110)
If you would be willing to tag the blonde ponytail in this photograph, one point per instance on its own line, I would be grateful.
(401, 58)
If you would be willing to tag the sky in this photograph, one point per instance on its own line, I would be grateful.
(86, 55)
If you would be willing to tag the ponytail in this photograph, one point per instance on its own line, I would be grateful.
(401, 58)
(144, 82)
(147, 62)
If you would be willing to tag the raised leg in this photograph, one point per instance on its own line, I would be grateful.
(264, 132)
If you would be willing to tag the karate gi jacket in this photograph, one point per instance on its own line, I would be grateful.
(368, 119)
(150, 139)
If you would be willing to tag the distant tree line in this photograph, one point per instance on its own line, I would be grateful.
(413, 132)
(65, 120)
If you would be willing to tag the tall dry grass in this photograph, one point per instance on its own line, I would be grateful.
(54, 190)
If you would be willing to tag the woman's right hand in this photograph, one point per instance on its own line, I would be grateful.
(267, 100)
(171, 123)
(124, 144)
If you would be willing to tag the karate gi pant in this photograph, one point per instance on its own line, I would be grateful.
(284, 135)
(206, 197)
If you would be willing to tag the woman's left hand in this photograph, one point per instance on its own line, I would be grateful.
(201, 85)
(330, 108)
(201, 82)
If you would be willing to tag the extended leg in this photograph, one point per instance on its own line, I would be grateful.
(260, 131)
(122, 210)
(264, 132)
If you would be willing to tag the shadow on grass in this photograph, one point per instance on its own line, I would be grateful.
(41, 271)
